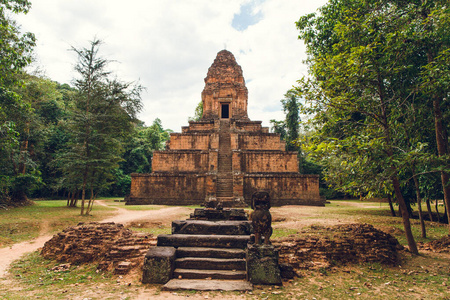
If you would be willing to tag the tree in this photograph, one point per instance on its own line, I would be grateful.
(15, 48)
(15, 54)
(291, 109)
(198, 112)
(363, 82)
(104, 114)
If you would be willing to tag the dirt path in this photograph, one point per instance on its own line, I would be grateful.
(123, 216)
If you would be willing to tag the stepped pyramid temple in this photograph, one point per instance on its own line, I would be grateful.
(225, 156)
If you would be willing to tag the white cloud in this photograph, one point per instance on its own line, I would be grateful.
(169, 45)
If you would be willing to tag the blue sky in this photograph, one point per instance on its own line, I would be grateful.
(248, 15)
(169, 45)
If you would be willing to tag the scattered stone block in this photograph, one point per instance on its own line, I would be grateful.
(159, 263)
(287, 271)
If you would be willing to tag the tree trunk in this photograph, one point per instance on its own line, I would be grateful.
(83, 191)
(442, 145)
(391, 206)
(441, 137)
(419, 206)
(91, 201)
(405, 216)
(430, 213)
(437, 212)
(445, 217)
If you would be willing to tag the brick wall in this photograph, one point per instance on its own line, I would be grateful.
(288, 189)
(259, 141)
(198, 126)
(181, 161)
(192, 141)
(168, 189)
(253, 126)
(265, 161)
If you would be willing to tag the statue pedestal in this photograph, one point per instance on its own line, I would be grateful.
(262, 264)
(159, 263)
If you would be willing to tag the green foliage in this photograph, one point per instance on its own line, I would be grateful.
(198, 112)
(15, 48)
(367, 65)
(366, 62)
(279, 127)
(291, 109)
(15, 54)
(102, 117)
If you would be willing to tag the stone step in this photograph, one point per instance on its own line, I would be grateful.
(209, 274)
(196, 240)
(210, 252)
(206, 263)
(207, 285)
(211, 227)
(232, 214)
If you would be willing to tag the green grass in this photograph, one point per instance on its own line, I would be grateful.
(38, 280)
(418, 277)
(116, 204)
(23, 223)
(282, 232)
(154, 230)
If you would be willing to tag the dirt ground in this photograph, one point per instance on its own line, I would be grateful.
(289, 218)
(123, 216)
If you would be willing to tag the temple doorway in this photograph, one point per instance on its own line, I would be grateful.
(225, 111)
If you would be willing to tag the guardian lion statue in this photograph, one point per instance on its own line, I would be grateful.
(261, 217)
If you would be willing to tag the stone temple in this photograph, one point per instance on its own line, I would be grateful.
(225, 156)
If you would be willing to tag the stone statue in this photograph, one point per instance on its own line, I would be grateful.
(261, 217)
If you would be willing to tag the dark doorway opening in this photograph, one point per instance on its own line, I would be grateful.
(225, 111)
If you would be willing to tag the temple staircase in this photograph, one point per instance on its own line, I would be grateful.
(210, 254)
(224, 192)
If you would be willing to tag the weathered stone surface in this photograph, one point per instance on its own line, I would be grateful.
(195, 240)
(202, 263)
(287, 271)
(211, 227)
(159, 263)
(261, 217)
(210, 252)
(207, 285)
(262, 265)
(209, 274)
(224, 156)
(215, 214)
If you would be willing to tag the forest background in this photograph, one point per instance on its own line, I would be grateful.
(375, 104)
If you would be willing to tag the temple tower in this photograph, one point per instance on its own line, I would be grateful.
(225, 156)
(225, 94)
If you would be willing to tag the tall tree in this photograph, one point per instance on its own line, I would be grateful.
(363, 81)
(104, 113)
(291, 109)
(430, 33)
(15, 54)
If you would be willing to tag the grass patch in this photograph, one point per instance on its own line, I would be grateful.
(111, 202)
(37, 280)
(282, 232)
(23, 223)
(157, 230)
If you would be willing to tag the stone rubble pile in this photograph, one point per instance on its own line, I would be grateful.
(111, 245)
(321, 247)
(440, 246)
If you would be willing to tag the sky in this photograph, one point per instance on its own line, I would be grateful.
(168, 45)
